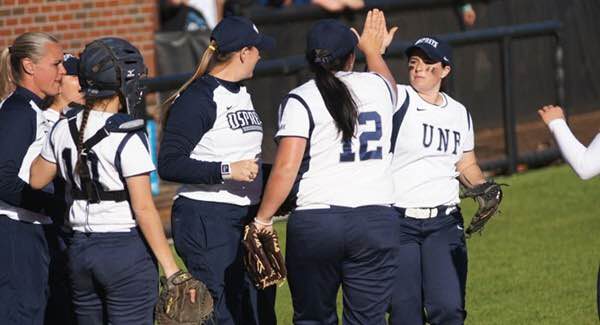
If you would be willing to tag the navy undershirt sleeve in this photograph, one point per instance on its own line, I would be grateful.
(191, 116)
(17, 133)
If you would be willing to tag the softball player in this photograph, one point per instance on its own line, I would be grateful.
(433, 144)
(59, 309)
(334, 156)
(104, 160)
(33, 67)
(70, 91)
(212, 144)
(584, 161)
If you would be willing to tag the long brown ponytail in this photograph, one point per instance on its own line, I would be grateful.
(209, 57)
(200, 70)
(7, 84)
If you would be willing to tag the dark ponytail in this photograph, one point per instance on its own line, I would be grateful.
(79, 167)
(337, 97)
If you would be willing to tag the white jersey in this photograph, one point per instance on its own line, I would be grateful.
(334, 173)
(45, 122)
(208, 9)
(212, 121)
(428, 142)
(126, 152)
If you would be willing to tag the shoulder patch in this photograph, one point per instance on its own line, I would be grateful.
(75, 109)
(123, 123)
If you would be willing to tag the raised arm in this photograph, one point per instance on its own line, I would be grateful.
(584, 161)
(373, 41)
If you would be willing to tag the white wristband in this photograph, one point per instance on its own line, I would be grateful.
(262, 223)
(226, 171)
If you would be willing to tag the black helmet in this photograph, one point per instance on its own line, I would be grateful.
(110, 66)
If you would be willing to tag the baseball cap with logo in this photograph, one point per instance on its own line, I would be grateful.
(71, 64)
(332, 37)
(436, 49)
(234, 33)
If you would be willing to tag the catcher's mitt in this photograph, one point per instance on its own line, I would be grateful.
(174, 305)
(488, 195)
(263, 258)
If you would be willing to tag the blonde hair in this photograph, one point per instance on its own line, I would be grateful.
(28, 45)
(208, 59)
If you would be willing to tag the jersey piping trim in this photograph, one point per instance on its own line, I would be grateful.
(387, 85)
(397, 121)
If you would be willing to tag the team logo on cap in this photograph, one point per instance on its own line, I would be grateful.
(427, 40)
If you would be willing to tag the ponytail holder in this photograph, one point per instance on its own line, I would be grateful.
(323, 60)
(212, 48)
(10, 49)
(322, 56)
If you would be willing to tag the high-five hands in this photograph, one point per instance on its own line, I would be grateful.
(375, 37)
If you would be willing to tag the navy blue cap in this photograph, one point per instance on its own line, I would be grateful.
(332, 36)
(435, 49)
(234, 33)
(71, 64)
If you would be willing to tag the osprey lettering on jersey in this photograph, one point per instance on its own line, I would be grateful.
(352, 173)
(246, 120)
(428, 141)
(233, 132)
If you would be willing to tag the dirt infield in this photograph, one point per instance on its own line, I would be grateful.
(489, 144)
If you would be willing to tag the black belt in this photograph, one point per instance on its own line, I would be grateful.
(117, 196)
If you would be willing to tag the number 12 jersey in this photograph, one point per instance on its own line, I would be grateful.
(333, 172)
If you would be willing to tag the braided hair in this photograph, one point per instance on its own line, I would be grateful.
(79, 167)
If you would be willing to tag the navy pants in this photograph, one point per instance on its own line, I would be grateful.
(431, 279)
(352, 247)
(113, 278)
(208, 236)
(24, 272)
(59, 309)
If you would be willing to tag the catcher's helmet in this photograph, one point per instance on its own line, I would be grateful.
(110, 66)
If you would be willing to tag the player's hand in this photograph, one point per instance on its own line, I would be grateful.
(169, 272)
(371, 41)
(388, 38)
(244, 170)
(550, 113)
(264, 223)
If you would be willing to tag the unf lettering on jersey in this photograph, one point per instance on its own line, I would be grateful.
(443, 137)
(247, 120)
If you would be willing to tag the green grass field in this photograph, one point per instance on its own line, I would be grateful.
(537, 262)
